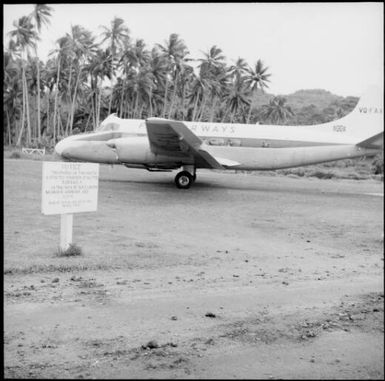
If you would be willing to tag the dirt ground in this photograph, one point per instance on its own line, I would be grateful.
(241, 276)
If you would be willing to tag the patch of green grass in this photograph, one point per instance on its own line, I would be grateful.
(72, 251)
(322, 174)
(378, 164)
(15, 155)
(33, 269)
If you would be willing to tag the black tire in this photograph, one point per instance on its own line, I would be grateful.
(183, 180)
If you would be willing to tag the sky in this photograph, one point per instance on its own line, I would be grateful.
(333, 46)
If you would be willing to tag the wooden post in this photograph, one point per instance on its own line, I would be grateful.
(66, 221)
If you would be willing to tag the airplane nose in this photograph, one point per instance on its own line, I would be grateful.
(61, 147)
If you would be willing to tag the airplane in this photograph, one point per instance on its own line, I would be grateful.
(159, 144)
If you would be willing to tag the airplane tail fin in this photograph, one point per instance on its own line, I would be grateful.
(366, 122)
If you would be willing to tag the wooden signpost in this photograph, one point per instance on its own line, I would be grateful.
(69, 188)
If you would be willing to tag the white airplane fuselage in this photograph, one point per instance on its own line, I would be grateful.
(227, 145)
(254, 147)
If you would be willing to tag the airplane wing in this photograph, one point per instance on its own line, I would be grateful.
(168, 137)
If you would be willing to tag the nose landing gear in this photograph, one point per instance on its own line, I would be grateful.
(185, 178)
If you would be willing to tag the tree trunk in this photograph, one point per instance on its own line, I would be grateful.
(22, 120)
(8, 127)
(38, 98)
(251, 107)
(128, 108)
(150, 101)
(174, 95)
(202, 108)
(98, 114)
(74, 100)
(121, 101)
(110, 103)
(195, 108)
(165, 100)
(88, 121)
(55, 106)
(136, 104)
(69, 99)
(93, 112)
(213, 109)
(184, 107)
(60, 131)
(27, 111)
(112, 87)
(47, 120)
(141, 111)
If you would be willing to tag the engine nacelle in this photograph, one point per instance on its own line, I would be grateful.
(133, 149)
(137, 150)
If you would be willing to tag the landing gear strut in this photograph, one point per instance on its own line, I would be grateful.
(185, 178)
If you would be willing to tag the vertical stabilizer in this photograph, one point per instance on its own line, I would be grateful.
(366, 121)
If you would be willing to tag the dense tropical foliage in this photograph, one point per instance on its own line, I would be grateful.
(86, 77)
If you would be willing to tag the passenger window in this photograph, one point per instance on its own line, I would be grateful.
(216, 142)
(235, 142)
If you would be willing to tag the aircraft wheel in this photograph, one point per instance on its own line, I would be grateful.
(184, 179)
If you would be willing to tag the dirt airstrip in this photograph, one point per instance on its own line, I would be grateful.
(241, 276)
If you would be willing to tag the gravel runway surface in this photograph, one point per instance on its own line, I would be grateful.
(241, 276)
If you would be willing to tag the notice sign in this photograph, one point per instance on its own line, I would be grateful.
(69, 187)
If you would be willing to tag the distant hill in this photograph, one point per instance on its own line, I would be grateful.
(310, 106)
(302, 98)
(317, 97)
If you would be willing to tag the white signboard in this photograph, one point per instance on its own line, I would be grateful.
(69, 187)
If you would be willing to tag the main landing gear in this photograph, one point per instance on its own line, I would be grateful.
(185, 178)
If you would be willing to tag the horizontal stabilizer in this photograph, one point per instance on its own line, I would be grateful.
(375, 141)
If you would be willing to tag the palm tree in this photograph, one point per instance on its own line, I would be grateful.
(277, 111)
(116, 35)
(256, 78)
(212, 69)
(236, 98)
(99, 67)
(158, 69)
(212, 60)
(174, 51)
(133, 59)
(143, 82)
(182, 105)
(40, 14)
(82, 46)
(197, 89)
(181, 72)
(55, 67)
(24, 38)
(239, 69)
(12, 92)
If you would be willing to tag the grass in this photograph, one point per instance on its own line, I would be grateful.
(350, 169)
(72, 251)
(16, 153)
(33, 269)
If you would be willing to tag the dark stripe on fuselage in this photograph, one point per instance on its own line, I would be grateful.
(213, 140)
(101, 136)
